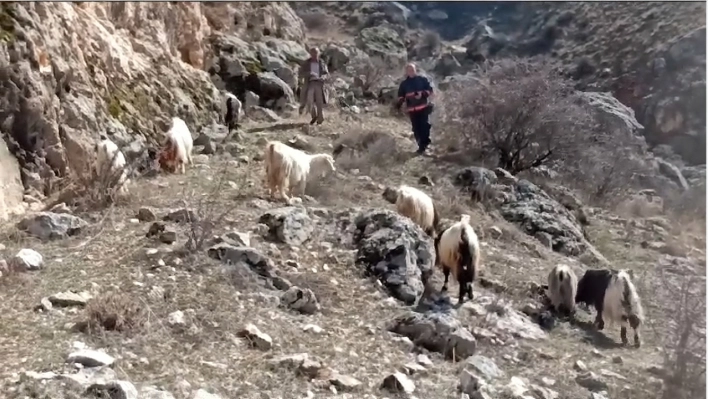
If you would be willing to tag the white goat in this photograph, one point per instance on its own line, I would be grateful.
(416, 205)
(110, 160)
(177, 149)
(562, 286)
(613, 294)
(457, 250)
(289, 167)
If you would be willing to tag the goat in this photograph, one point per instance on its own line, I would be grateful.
(614, 296)
(416, 205)
(457, 251)
(562, 287)
(289, 167)
(234, 108)
(110, 160)
(177, 148)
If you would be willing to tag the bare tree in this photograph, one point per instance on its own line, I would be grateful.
(370, 72)
(524, 113)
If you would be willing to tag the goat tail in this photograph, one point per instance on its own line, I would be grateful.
(469, 256)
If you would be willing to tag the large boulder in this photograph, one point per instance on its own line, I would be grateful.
(395, 250)
(11, 188)
(546, 219)
(51, 226)
(438, 332)
(383, 42)
(289, 225)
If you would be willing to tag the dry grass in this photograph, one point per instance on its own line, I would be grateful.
(219, 301)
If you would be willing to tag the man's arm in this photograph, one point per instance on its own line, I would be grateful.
(427, 87)
(401, 93)
(323, 69)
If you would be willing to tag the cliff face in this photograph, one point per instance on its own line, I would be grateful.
(72, 71)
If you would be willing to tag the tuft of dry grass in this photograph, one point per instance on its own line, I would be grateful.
(114, 312)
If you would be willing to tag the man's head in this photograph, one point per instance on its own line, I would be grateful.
(315, 53)
(411, 70)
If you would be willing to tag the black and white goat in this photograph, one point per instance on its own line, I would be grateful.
(457, 251)
(614, 296)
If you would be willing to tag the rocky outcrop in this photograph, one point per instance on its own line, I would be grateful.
(11, 188)
(73, 71)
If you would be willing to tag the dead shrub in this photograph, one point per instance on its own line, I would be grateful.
(523, 113)
(114, 312)
(370, 71)
(684, 335)
(430, 44)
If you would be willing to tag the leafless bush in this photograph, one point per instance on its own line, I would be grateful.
(370, 72)
(524, 113)
(209, 212)
(684, 336)
(91, 189)
(430, 44)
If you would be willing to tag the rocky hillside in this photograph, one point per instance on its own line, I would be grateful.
(200, 286)
(73, 71)
(650, 55)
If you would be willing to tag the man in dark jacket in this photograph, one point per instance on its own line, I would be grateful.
(415, 91)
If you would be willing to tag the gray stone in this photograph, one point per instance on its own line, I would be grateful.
(114, 390)
(289, 225)
(591, 381)
(236, 256)
(436, 332)
(26, 260)
(69, 298)
(301, 300)
(398, 382)
(181, 216)
(52, 226)
(90, 358)
(154, 393)
(203, 394)
(345, 383)
(394, 249)
(256, 338)
(146, 215)
(485, 366)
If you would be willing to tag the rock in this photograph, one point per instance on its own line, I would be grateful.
(87, 376)
(235, 238)
(313, 328)
(516, 388)
(289, 225)
(591, 381)
(543, 393)
(176, 319)
(536, 212)
(413, 368)
(447, 65)
(484, 366)
(672, 172)
(26, 260)
(395, 250)
(617, 359)
(273, 88)
(469, 382)
(345, 383)
(476, 180)
(52, 226)
(11, 183)
(290, 361)
(398, 382)
(246, 256)
(263, 114)
(154, 393)
(579, 365)
(181, 216)
(436, 332)
(114, 390)
(69, 298)
(598, 395)
(60, 208)
(202, 394)
(252, 100)
(256, 338)
(424, 360)
(146, 215)
(301, 300)
(384, 42)
(168, 237)
(337, 56)
(90, 358)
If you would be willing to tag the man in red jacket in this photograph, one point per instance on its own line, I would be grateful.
(416, 91)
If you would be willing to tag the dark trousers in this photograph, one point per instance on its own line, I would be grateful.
(420, 122)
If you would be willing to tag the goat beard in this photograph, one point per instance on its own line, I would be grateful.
(167, 158)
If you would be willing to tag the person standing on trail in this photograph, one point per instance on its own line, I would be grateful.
(415, 91)
(312, 74)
